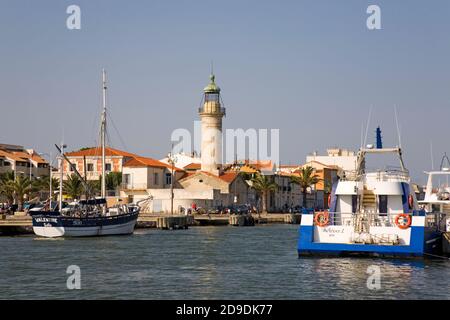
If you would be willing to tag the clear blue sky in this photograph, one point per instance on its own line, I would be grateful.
(310, 68)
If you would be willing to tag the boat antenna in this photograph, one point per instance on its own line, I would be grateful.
(362, 135)
(431, 155)
(398, 127)
(368, 123)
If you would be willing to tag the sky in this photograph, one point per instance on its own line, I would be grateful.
(309, 68)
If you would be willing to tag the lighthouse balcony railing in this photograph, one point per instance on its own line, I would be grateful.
(220, 110)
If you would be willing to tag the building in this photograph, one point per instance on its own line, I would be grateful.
(22, 161)
(342, 158)
(88, 162)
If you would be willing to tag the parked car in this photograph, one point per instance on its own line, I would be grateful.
(237, 209)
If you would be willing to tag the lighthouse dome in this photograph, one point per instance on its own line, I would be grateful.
(212, 87)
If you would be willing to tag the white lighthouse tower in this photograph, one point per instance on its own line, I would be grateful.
(211, 114)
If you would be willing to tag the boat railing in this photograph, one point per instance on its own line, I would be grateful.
(385, 175)
(370, 219)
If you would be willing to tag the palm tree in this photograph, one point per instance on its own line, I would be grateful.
(21, 187)
(43, 184)
(113, 180)
(263, 185)
(6, 189)
(305, 180)
(73, 186)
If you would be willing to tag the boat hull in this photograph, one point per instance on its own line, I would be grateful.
(51, 226)
(421, 242)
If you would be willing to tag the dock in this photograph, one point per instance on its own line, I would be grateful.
(21, 223)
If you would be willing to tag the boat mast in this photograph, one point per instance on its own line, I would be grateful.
(103, 134)
(61, 178)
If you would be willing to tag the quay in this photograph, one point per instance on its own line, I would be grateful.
(21, 223)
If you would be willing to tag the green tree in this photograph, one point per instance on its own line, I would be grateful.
(305, 180)
(43, 184)
(113, 180)
(6, 187)
(73, 186)
(21, 186)
(263, 185)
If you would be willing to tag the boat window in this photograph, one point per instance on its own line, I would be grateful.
(383, 203)
(354, 203)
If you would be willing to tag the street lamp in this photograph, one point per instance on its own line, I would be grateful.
(171, 159)
(50, 174)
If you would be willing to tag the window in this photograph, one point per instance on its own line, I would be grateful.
(90, 167)
(108, 167)
(168, 178)
(127, 178)
(73, 166)
(156, 178)
(354, 202)
(382, 203)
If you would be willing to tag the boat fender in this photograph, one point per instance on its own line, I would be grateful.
(403, 221)
(410, 201)
(322, 219)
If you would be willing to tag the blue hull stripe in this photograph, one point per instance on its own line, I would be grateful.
(417, 245)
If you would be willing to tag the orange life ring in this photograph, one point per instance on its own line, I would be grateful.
(406, 218)
(322, 219)
(411, 201)
(329, 200)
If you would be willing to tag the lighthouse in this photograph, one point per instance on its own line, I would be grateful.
(211, 114)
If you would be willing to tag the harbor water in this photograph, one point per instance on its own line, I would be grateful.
(206, 263)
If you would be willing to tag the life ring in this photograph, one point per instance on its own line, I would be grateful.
(410, 201)
(322, 219)
(329, 200)
(403, 221)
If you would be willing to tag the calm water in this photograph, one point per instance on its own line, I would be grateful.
(205, 263)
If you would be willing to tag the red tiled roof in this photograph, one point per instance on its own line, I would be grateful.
(137, 161)
(228, 177)
(12, 156)
(193, 166)
(97, 152)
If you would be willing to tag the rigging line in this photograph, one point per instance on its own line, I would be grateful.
(398, 127)
(117, 131)
(368, 123)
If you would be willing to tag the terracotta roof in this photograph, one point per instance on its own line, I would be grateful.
(193, 166)
(227, 177)
(97, 152)
(25, 155)
(12, 156)
(137, 161)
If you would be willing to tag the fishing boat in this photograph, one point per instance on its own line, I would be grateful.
(90, 217)
(436, 200)
(371, 213)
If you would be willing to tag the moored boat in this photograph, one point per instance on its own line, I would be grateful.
(90, 217)
(371, 213)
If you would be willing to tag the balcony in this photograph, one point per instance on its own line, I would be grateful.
(214, 111)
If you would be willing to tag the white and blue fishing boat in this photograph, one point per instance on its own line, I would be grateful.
(371, 213)
(89, 217)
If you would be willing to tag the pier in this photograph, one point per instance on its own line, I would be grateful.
(22, 223)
